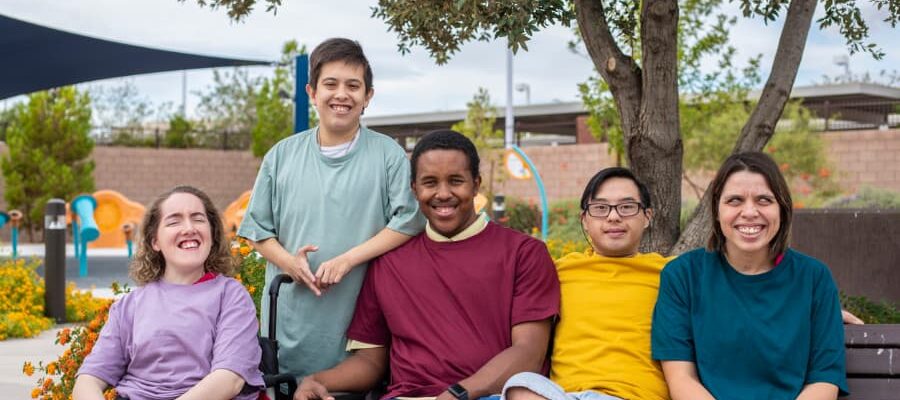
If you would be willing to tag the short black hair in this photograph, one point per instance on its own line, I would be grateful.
(446, 139)
(338, 49)
(614, 172)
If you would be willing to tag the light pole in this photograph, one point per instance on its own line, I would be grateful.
(524, 87)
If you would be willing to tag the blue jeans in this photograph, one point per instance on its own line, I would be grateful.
(548, 389)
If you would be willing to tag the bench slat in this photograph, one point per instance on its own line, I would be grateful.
(887, 335)
(873, 389)
(869, 362)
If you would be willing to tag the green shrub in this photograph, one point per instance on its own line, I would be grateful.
(867, 197)
(869, 311)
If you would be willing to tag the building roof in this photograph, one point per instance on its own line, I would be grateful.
(560, 118)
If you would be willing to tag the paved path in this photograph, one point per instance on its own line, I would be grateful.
(13, 354)
(104, 267)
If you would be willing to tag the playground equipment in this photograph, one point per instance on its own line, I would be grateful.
(128, 229)
(113, 212)
(520, 166)
(13, 218)
(84, 228)
(234, 214)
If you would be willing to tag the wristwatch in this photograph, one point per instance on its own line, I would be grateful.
(458, 391)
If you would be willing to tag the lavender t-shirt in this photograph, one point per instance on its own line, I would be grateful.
(162, 339)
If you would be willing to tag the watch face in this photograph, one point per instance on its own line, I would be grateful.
(458, 391)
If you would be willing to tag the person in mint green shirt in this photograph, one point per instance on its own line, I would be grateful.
(748, 317)
(325, 202)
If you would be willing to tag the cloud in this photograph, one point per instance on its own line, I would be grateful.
(404, 83)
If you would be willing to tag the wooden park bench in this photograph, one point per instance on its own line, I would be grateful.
(873, 361)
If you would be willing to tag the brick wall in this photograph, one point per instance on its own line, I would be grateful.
(860, 157)
(866, 158)
(141, 174)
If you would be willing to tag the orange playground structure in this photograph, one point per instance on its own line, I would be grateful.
(113, 212)
(235, 213)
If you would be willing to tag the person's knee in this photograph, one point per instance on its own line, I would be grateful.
(520, 393)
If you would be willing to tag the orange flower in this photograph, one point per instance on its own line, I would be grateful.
(28, 369)
(824, 172)
(110, 394)
(35, 393)
(51, 368)
(245, 251)
(785, 166)
(234, 251)
(62, 337)
(47, 384)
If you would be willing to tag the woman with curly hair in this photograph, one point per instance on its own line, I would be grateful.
(189, 331)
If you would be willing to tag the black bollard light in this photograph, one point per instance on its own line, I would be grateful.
(55, 260)
(499, 207)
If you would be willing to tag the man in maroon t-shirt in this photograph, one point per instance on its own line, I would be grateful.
(459, 308)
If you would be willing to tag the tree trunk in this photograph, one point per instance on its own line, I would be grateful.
(761, 125)
(649, 118)
(655, 150)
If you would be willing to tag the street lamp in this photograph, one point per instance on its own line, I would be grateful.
(524, 87)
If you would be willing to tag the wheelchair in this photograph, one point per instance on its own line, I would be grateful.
(282, 386)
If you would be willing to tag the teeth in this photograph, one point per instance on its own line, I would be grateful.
(190, 244)
(749, 229)
(341, 108)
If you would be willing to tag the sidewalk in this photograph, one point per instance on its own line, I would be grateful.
(26, 250)
(13, 354)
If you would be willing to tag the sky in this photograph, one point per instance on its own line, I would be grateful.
(410, 83)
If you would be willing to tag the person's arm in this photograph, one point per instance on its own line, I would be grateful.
(683, 381)
(330, 272)
(219, 384)
(88, 387)
(297, 266)
(526, 354)
(849, 318)
(358, 373)
(818, 391)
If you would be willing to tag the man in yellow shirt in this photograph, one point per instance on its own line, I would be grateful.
(602, 344)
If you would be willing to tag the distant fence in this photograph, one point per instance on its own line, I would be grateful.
(155, 137)
(846, 115)
(861, 247)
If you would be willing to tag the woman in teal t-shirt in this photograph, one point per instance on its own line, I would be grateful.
(749, 318)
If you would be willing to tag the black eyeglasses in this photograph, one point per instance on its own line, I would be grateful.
(600, 210)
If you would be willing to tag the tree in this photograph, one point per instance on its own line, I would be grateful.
(274, 112)
(119, 114)
(179, 134)
(228, 109)
(633, 46)
(479, 127)
(49, 150)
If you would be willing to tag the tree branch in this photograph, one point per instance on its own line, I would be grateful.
(618, 69)
(761, 125)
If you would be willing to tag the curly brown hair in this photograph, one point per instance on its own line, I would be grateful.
(149, 265)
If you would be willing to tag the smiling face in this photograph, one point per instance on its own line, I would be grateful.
(615, 235)
(184, 235)
(340, 97)
(749, 216)
(446, 189)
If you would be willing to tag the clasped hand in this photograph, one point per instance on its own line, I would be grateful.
(329, 273)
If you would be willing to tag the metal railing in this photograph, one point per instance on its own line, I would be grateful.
(843, 115)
